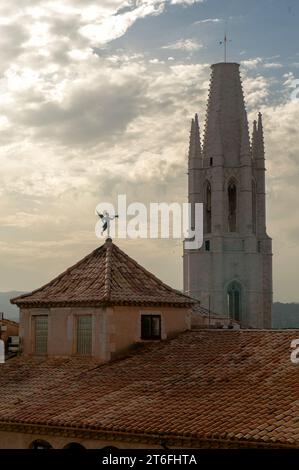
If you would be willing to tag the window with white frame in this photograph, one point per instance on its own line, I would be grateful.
(41, 334)
(84, 335)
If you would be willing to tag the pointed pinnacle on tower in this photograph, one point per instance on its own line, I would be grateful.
(260, 137)
(195, 144)
(245, 140)
(254, 141)
(197, 131)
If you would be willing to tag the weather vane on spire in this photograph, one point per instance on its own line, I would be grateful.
(106, 219)
(224, 43)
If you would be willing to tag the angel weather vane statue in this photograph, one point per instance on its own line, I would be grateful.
(106, 219)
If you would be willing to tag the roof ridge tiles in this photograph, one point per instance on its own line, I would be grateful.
(108, 268)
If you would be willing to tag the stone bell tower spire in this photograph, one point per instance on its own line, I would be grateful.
(232, 271)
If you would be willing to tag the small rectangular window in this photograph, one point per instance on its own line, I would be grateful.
(259, 247)
(207, 245)
(211, 161)
(150, 327)
(84, 335)
(41, 334)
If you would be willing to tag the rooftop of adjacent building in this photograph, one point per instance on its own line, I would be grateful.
(232, 387)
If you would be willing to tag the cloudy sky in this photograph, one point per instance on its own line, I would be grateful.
(96, 98)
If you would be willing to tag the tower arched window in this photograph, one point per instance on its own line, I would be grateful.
(234, 300)
(232, 207)
(254, 208)
(208, 208)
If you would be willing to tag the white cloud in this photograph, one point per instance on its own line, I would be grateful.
(156, 61)
(252, 63)
(256, 90)
(185, 2)
(260, 62)
(273, 65)
(116, 26)
(184, 45)
(209, 20)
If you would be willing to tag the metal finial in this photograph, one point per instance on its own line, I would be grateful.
(224, 43)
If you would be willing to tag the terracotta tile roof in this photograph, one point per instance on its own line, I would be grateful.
(5, 321)
(105, 276)
(234, 386)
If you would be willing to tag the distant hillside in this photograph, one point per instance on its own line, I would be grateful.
(10, 311)
(285, 315)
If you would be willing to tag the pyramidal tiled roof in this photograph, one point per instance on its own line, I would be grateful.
(107, 276)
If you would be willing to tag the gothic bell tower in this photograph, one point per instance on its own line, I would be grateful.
(232, 271)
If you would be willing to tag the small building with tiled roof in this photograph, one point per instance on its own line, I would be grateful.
(202, 389)
(102, 305)
(8, 328)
